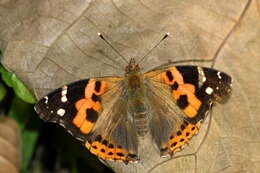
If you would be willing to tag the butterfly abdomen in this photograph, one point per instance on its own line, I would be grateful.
(140, 119)
(137, 106)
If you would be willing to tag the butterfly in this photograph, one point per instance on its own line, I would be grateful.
(110, 115)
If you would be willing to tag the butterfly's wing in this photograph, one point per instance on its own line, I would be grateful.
(180, 97)
(94, 111)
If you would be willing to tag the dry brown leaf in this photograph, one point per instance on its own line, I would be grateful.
(50, 43)
(9, 145)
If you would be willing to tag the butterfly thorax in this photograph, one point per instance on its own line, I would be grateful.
(136, 97)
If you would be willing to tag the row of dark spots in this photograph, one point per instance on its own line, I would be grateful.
(105, 142)
(179, 133)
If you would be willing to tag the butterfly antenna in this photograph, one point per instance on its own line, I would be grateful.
(164, 37)
(103, 38)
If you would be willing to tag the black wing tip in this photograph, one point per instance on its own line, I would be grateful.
(40, 109)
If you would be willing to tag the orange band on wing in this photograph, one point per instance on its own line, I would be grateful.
(187, 88)
(190, 111)
(102, 88)
(86, 127)
(176, 94)
(97, 106)
(79, 118)
(194, 103)
(79, 104)
(88, 104)
(166, 79)
(89, 90)
(82, 104)
(175, 74)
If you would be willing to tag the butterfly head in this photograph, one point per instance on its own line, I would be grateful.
(132, 67)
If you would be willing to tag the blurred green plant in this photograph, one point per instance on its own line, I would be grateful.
(20, 108)
(2, 87)
(2, 92)
(20, 89)
(29, 125)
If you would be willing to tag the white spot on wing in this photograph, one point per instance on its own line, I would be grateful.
(64, 93)
(61, 124)
(202, 77)
(79, 139)
(46, 99)
(64, 90)
(61, 112)
(64, 99)
(219, 75)
(165, 156)
(209, 90)
(70, 132)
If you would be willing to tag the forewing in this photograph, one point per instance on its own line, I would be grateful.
(180, 97)
(94, 111)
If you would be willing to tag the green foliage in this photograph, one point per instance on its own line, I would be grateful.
(2, 88)
(29, 125)
(20, 89)
(2, 92)
(21, 110)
